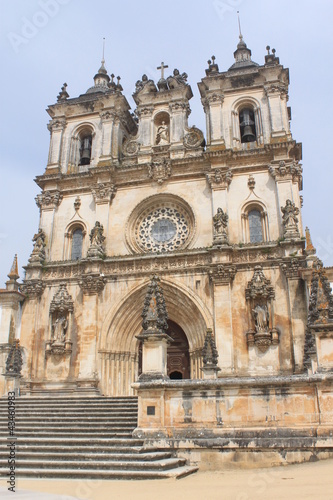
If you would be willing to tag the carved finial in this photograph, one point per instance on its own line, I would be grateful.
(13, 274)
(239, 26)
(309, 249)
(268, 49)
(162, 68)
(63, 94)
(273, 52)
(154, 312)
(209, 351)
(14, 361)
(213, 59)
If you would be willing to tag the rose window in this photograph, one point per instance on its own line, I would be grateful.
(160, 224)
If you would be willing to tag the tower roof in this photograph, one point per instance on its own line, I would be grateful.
(242, 56)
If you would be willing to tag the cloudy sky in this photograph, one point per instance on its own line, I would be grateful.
(45, 43)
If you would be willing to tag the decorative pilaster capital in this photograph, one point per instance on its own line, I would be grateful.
(107, 116)
(222, 274)
(32, 288)
(92, 283)
(287, 170)
(215, 98)
(144, 111)
(49, 200)
(57, 124)
(291, 267)
(104, 193)
(219, 179)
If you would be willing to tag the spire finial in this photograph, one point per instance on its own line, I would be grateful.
(103, 60)
(239, 26)
(14, 269)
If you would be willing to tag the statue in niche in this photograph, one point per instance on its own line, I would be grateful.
(96, 235)
(39, 241)
(261, 318)
(59, 328)
(289, 218)
(220, 221)
(162, 136)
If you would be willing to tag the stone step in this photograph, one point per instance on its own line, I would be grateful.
(177, 473)
(72, 414)
(80, 449)
(76, 435)
(168, 463)
(22, 456)
(21, 419)
(38, 400)
(61, 427)
(73, 441)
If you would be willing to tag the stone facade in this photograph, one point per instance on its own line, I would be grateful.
(129, 195)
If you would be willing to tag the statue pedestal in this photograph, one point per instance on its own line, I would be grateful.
(210, 372)
(154, 355)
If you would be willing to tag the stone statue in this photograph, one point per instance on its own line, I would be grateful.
(162, 136)
(220, 221)
(290, 219)
(38, 252)
(96, 234)
(59, 328)
(261, 318)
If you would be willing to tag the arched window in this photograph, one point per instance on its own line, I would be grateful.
(77, 241)
(247, 125)
(255, 224)
(85, 150)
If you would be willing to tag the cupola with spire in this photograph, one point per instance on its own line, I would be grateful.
(242, 54)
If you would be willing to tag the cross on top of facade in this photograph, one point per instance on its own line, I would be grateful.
(162, 68)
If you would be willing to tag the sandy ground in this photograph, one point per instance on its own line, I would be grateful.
(302, 481)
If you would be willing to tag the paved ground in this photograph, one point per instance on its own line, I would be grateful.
(296, 482)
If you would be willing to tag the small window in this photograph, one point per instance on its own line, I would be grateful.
(85, 150)
(255, 226)
(247, 125)
(77, 240)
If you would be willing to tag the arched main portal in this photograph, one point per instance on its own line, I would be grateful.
(119, 347)
(178, 360)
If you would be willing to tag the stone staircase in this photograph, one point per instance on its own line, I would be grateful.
(82, 437)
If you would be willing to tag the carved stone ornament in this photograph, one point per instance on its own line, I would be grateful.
(104, 193)
(291, 267)
(56, 124)
(222, 274)
(194, 139)
(292, 170)
(77, 204)
(259, 286)
(92, 284)
(160, 170)
(38, 253)
(154, 312)
(130, 148)
(209, 351)
(321, 298)
(260, 294)
(215, 98)
(219, 179)
(290, 220)
(32, 288)
(14, 360)
(251, 182)
(61, 308)
(220, 221)
(97, 239)
(48, 200)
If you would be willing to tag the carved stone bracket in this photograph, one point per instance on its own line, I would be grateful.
(92, 284)
(284, 170)
(32, 288)
(222, 274)
(160, 170)
(48, 200)
(291, 267)
(104, 193)
(219, 179)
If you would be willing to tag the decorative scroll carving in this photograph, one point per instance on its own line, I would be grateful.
(291, 267)
(104, 193)
(61, 309)
(14, 360)
(220, 221)
(97, 239)
(290, 220)
(92, 283)
(56, 124)
(48, 200)
(219, 178)
(215, 98)
(285, 170)
(32, 288)
(38, 253)
(222, 274)
(130, 148)
(160, 170)
(194, 138)
(260, 294)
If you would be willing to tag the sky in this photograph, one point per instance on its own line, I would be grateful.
(45, 43)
